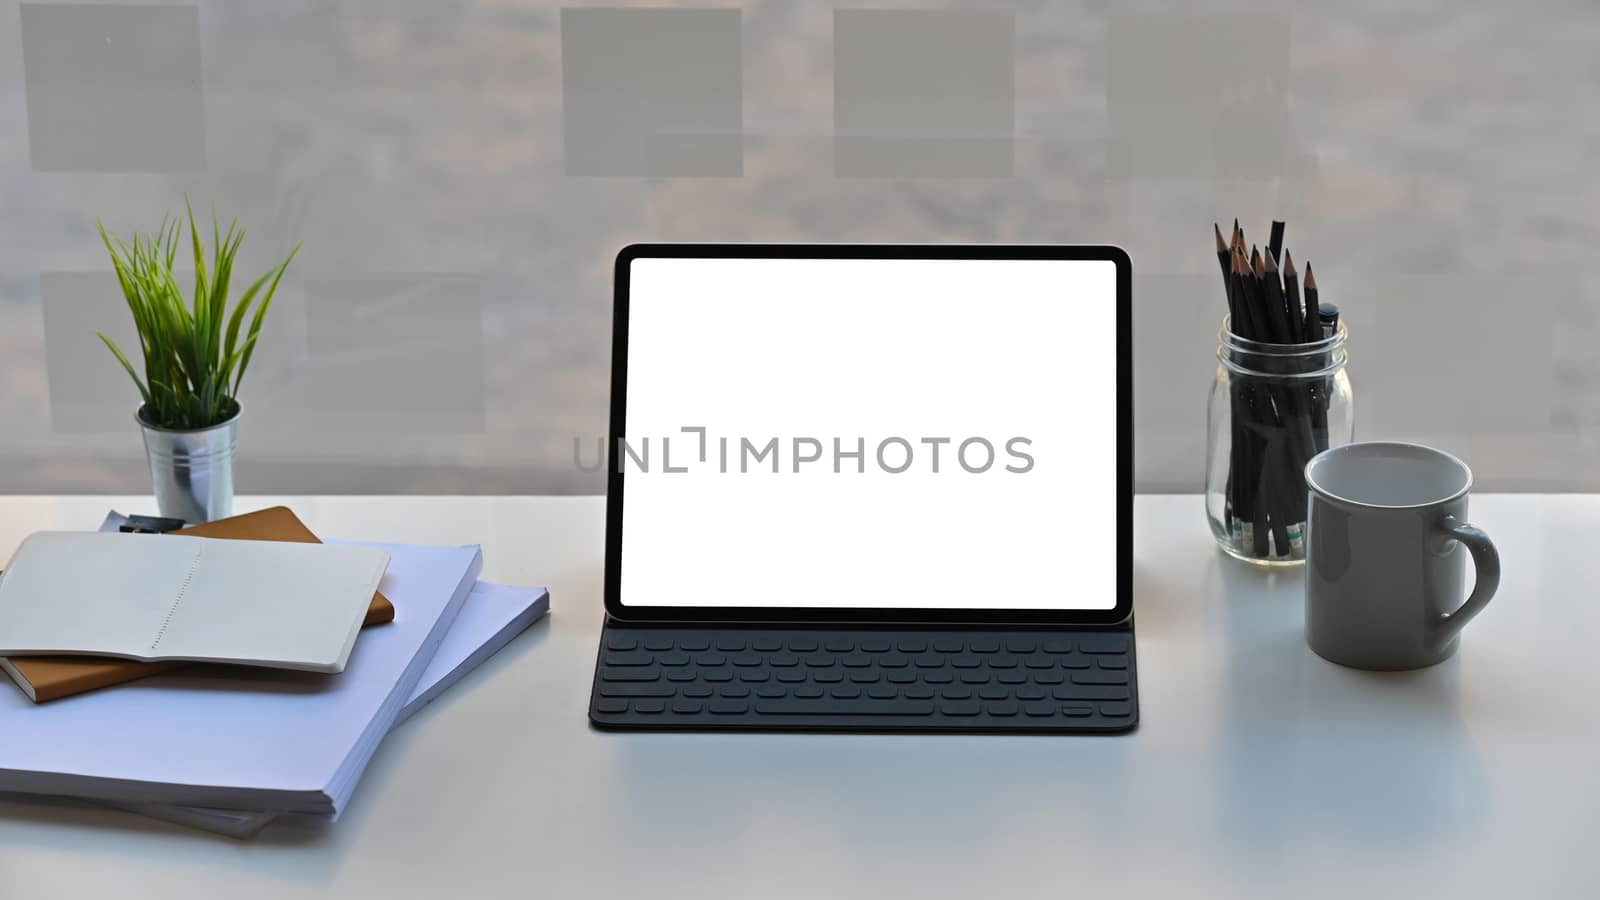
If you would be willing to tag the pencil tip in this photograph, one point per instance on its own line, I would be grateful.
(1272, 265)
(1221, 247)
(1311, 278)
(1288, 264)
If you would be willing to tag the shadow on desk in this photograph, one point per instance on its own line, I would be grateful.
(1315, 750)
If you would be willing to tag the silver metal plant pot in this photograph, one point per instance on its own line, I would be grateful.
(192, 470)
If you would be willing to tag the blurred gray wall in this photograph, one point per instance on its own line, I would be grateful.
(463, 172)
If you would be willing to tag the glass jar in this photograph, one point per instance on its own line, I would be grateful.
(1273, 407)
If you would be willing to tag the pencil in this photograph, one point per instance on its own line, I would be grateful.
(1275, 241)
(1272, 299)
(1313, 321)
(1291, 297)
(1319, 427)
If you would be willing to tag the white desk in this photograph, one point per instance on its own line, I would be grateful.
(1259, 770)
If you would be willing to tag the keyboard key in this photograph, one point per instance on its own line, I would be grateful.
(931, 662)
(865, 676)
(1002, 661)
(1011, 677)
(956, 692)
(875, 645)
(698, 691)
(883, 692)
(803, 645)
(1100, 677)
(1039, 661)
(1076, 661)
(911, 646)
(687, 707)
(649, 707)
(1091, 692)
(1112, 662)
(1039, 709)
(790, 676)
(783, 660)
(942, 676)
(728, 707)
(766, 645)
(716, 675)
(855, 661)
(836, 708)
(845, 692)
(1018, 645)
(948, 645)
(1002, 708)
(621, 642)
(673, 659)
(754, 676)
(628, 659)
(1052, 677)
(734, 691)
(994, 693)
(827, 676)
(1056, 645)
(839, 645)
(807, 692)
(635, 690)
(745, 660)
(628, 674)
(608, 705)
(1104, 643)
(985, 645)
(694, 645)
(680, 675)
(893, 661)
(730, 644)
(822, 661)
(712, 660)
(1031, 693)
(919, 692)
(966, 661)
(1077, 710)
(658, 643)
(901, 676)
(1116, 710)
(770, 690)
(975, 676)
(959, 707)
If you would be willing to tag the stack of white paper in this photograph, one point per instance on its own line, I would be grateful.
(259, 740)
(491, 617)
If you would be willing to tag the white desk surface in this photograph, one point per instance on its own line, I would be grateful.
(1259, 770)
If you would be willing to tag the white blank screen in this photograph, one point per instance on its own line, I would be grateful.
(865, 352)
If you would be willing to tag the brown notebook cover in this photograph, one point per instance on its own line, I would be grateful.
(46, 678)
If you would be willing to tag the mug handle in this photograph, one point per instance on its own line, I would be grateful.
(1486, 559)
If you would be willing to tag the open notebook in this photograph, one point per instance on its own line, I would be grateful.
(46, 678)
(176, 597)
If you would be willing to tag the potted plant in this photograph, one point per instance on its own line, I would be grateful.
(195, 357)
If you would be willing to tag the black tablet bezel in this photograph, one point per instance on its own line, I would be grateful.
(812, 615)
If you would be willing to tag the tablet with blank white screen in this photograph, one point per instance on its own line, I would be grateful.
(854, 433)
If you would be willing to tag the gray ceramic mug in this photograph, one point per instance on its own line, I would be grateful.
(1386, 552)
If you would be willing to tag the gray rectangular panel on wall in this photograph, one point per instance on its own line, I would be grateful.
(1198, 94)
(1439, 371)
(89, 390)
(113, 88)
(395, 353)
(924, 93)
(652, 92)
